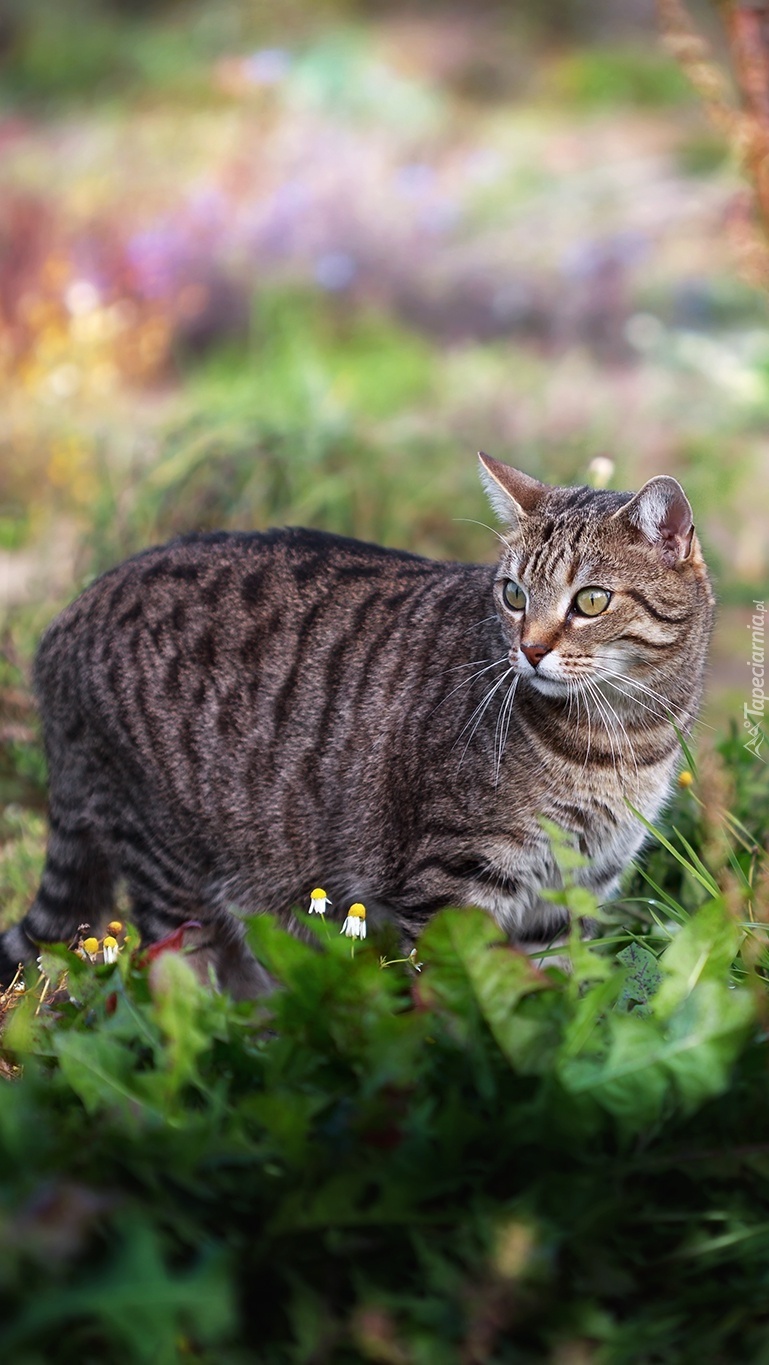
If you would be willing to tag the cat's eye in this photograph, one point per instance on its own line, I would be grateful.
(515, 597)
(592, 601)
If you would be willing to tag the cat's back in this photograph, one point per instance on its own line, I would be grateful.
(205, 610)
(199, 576)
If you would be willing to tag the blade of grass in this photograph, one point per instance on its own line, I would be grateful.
(706, 882)
(677, 910)
(687, 753)
(697, 861)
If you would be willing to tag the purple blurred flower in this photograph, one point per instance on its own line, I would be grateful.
(272, 225)
(267, 66)
(414, 180)
(438, 216)
(586, 259)
(335, 270)
(157, 256)
(208, 209)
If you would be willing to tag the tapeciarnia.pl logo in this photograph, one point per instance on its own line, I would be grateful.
(753, 711)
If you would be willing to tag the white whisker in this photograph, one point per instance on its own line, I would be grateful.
(619, 721)
(472, 522)
(594, 693)
(480, 623)
(455, 668)
(681, 718)
(589, 727)
(670, 714)
(496, 663)
(503, 726)
(479, 712)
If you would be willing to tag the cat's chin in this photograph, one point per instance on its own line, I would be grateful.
(549, 687)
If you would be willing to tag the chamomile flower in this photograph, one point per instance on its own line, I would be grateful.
(318, 901)
(90, 947)
(110, 949)
(355, 924)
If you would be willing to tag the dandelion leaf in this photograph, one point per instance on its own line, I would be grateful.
(100, 1070)
(472, 968)
(702, 950)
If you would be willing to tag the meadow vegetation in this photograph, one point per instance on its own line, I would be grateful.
(251, 275)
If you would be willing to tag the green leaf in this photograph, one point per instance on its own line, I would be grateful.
(590, 1008)
(100, 1070)
(472, 965)
(642, 979)
(629, 1082)
(137, 1301)
(562, 843)
(703, 949)
(23, 1030)
(691, 1054)
(284, 955)
(56, 960)
(179, 1000)
(696, 860)
(704, 1038)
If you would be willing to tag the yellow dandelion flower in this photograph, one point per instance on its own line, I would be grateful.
(685, 778)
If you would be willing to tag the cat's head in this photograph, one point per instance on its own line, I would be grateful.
(593, 586)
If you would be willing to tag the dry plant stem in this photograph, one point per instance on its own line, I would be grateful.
(747, 27)
(693, 54)
(745, 125)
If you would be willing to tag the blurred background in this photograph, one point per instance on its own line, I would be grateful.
(296, 263)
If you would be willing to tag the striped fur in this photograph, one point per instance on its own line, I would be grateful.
(232, 719)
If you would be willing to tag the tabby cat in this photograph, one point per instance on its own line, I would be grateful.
(232, 719)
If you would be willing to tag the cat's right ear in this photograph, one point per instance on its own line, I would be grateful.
(512, 494)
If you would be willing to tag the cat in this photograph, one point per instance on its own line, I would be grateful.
(234, 718)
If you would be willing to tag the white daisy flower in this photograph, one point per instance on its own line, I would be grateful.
(318, 901)
(355, 924)
(110, 949)
(89, 948)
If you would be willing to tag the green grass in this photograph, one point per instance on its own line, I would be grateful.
(610, 77)
(482, 1161)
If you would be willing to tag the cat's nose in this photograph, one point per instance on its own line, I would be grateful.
(535, 653)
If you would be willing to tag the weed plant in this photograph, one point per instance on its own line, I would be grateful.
(487, 1160)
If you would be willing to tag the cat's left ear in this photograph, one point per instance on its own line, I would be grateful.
(661, 511)
(512, 494)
